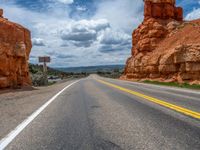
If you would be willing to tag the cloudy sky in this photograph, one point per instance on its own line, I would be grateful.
(83, 32)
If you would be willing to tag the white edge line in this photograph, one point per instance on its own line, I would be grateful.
(13, 134)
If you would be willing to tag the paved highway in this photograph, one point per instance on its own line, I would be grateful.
(105, 114)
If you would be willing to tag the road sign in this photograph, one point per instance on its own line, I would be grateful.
(45, 59)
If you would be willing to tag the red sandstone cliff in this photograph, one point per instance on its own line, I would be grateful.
(15, 47)
(165, 48)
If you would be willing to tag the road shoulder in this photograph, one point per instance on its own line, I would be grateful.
(17, 106)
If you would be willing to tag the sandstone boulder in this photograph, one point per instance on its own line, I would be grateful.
(15, 47)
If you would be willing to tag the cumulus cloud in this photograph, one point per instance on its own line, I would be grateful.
(79, 34)
(83, 33)
(38, 42)
(112, 41)
(110, 37)
(195, 14)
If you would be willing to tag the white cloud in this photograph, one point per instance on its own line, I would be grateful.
(195, 14)
(112, 41)
(81, 8)
(114, 37)
(122, 14)
(38, 42)
(66, 1)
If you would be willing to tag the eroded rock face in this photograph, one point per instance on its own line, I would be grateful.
(15, 47)
(162, 9)
(163, 50)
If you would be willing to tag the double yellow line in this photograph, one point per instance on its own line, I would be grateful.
(155, 100)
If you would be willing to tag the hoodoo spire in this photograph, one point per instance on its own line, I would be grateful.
(162, 9)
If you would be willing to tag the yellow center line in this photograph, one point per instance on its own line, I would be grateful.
(155, 100)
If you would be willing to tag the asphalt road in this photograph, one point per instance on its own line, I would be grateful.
(92, 115)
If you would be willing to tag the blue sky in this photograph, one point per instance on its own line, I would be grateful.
(83, 32)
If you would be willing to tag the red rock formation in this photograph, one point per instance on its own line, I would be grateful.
(162, 9)
(15, 47)
(1, 13)
(162, 48)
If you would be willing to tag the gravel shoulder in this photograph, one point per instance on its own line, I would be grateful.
(17, 105)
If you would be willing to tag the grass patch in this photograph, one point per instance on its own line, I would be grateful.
(174, 84)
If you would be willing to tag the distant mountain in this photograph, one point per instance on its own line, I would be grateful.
(92, 69)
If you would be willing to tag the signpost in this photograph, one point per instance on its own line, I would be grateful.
(45, 60)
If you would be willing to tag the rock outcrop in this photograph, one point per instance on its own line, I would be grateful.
(15, 47)
(162, 9)
(165, 48)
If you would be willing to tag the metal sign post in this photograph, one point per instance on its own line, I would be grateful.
(45, 60)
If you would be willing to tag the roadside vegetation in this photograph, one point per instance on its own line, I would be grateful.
(53, 75)
(174, 84)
